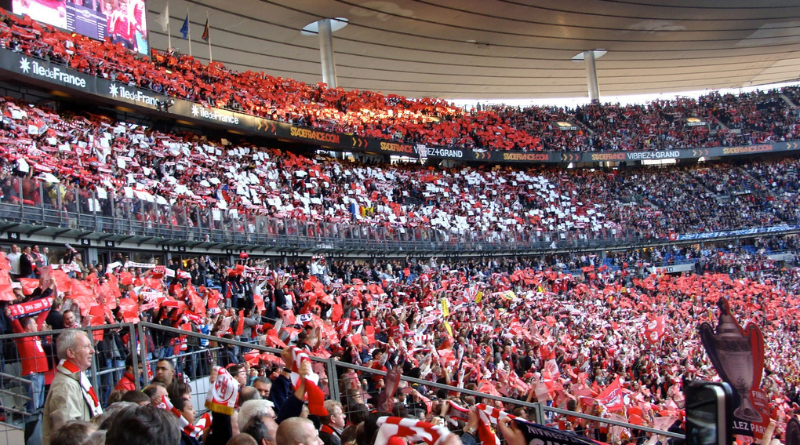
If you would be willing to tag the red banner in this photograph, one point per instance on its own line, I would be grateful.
(611, 397)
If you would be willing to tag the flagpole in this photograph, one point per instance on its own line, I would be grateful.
(210, 57)
(190, 33)
(169, 32)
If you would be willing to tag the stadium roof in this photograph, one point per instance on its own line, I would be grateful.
(494, 49)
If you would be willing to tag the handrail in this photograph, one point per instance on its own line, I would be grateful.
(289, 235)
(333, 380)
(513, 401)
(15, 378)
(59, 331)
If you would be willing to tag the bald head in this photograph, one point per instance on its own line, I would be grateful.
(297, 431)
(242, 439)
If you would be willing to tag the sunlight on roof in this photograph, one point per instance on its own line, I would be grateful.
(623, 100)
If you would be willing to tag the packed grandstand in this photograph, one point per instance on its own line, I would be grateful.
(743, 119)
(482, 338)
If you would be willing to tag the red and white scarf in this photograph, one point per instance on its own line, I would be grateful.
(316, 398)
(410, 429)
(493, 413)
(68, 368)
(489, 415)
(195, 431)
(30, 308)
(221, 397)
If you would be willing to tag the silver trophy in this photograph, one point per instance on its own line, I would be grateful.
(731, 350)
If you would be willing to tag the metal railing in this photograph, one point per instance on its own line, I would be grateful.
(37, 203)
(21, 400)
(540, 411)
(333, 368)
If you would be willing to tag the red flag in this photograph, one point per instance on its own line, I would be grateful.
(205, 35)
(129, 309)
(240, 324)
(97, 317)
(370, 332)
(391, 382)
(126, 278)
(258, 300)
(6, 291)
(655, 329)
(611, 397)
(287, 316)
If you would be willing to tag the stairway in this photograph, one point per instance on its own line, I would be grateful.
(788, 101)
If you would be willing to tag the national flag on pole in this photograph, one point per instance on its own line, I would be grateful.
(205, 35)
(163, 18)
(185, 27)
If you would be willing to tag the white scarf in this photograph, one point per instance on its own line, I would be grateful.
(68, 368)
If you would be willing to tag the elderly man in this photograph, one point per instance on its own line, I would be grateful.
(71, 396)
(257, 419)
(261, 409)
(297, 431)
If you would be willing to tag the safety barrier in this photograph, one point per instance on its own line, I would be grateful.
(74, 210)
(22, 396)
(535, 412)
(336, 377)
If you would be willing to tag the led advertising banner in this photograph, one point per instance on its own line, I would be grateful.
(123, 21)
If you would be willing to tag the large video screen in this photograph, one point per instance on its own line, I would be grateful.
(124, 21)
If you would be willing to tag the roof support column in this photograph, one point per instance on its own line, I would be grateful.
(326, 53)
(591, 76)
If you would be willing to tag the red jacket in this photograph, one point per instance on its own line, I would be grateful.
(31, 353)
(126, 383)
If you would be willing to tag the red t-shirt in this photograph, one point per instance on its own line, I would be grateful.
(122, 27)
(31, 354)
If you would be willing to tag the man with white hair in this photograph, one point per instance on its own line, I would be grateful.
(71, 396)
(257, 418)
(255, 408)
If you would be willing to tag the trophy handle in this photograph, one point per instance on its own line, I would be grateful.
(707, 338)
(753, 333)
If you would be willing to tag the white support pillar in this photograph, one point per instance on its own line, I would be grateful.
(326, 53)
(591, 76)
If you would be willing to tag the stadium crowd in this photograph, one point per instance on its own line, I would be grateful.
(567, 331)
(712, 120)
(87, 163)
(561, 330)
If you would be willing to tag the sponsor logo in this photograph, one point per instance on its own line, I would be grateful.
(654, 155)
(135, 96)
(744, 150)
(320, 136)
(444, 153)
(54, 73)
(403, 148)
(213, 115)
(608, 156)
(526, 157)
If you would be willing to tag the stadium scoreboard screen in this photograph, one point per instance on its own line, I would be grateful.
(123, 21)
